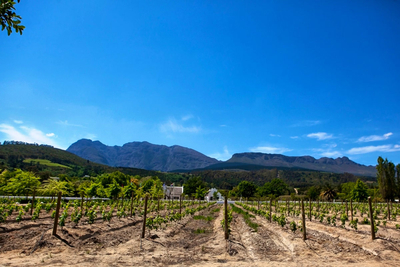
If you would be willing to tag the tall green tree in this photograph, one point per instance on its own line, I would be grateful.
(246, 189)
(51, 188)
(360, 191)
(23, 183)
(8, 18)
(386, 178)
(191, 185)
(276, 187)
(398, 180)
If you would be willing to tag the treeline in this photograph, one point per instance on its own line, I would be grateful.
(13, 155)
(5, 143)
(294, 178)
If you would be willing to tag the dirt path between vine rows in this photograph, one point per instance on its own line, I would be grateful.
(192, 242)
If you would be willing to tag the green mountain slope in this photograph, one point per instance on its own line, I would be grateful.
(48, 161)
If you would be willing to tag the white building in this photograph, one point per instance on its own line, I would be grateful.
(172, 192)
(210, 195)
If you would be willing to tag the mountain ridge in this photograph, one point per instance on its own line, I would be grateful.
(145, 155)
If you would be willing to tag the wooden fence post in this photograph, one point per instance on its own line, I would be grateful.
(131, 203)
(226, 217)
(351, 208)
(57, 214)
(347, 210)
(270, 209)
(180, 205)
(33, 201)
(144, 217)
(371, 218)
(310, 209)
(303, 221)
(388, 209)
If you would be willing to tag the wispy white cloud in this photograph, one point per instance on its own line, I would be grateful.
(328, 152)
(172, 125)
(50, 134)
(225, 155)
(331, 154)
(18, 122)
(294, 137)
(187, 117)
(270, 149)
(27, 134)
(320, 136)
(369, 149)
(66, 123)
(90, 136)
(372, 138)
(306, 123)
(274, 135)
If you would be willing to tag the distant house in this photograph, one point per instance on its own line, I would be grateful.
(172, 192)
(210, 195)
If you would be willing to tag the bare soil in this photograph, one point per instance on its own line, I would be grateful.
(192, 242)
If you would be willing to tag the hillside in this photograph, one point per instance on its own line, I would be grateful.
(141, 155)
(49, 161)
(338, 165)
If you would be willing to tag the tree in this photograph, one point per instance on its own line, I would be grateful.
(114, 190)
(191, 185)
(23, 183)
(200, 192)
(276, 187)
(313, 192)
(246, 189)
(328, 192)
(51, 188)
(129, 189)
(359, 192)
(8, 18)
(386, 178)
(398, 180)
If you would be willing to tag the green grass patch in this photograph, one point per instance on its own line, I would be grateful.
(246, 217)
(201, 231)
(201, 217)
(216, 210)
(45, 162)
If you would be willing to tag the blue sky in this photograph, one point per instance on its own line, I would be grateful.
(317, 78)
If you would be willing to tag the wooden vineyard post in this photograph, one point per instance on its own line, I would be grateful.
(310, 209)
(258, 203)
(371, 216)
(347, 210)
(287, 207)
(270, 209)
(226, 217)
(57, 214)
(33, 201)
(82, 204)
(180, 205)
(351, 208)
(317, 205)
(303, 221)
(388, 209)
(131, 203)
(144, 216)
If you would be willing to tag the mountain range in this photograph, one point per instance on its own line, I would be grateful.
(145, 155)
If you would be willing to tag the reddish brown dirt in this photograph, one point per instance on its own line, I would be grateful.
(118, 244)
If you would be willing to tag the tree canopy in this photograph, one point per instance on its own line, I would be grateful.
(9, 20)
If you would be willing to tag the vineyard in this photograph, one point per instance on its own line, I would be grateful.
(109, 233)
